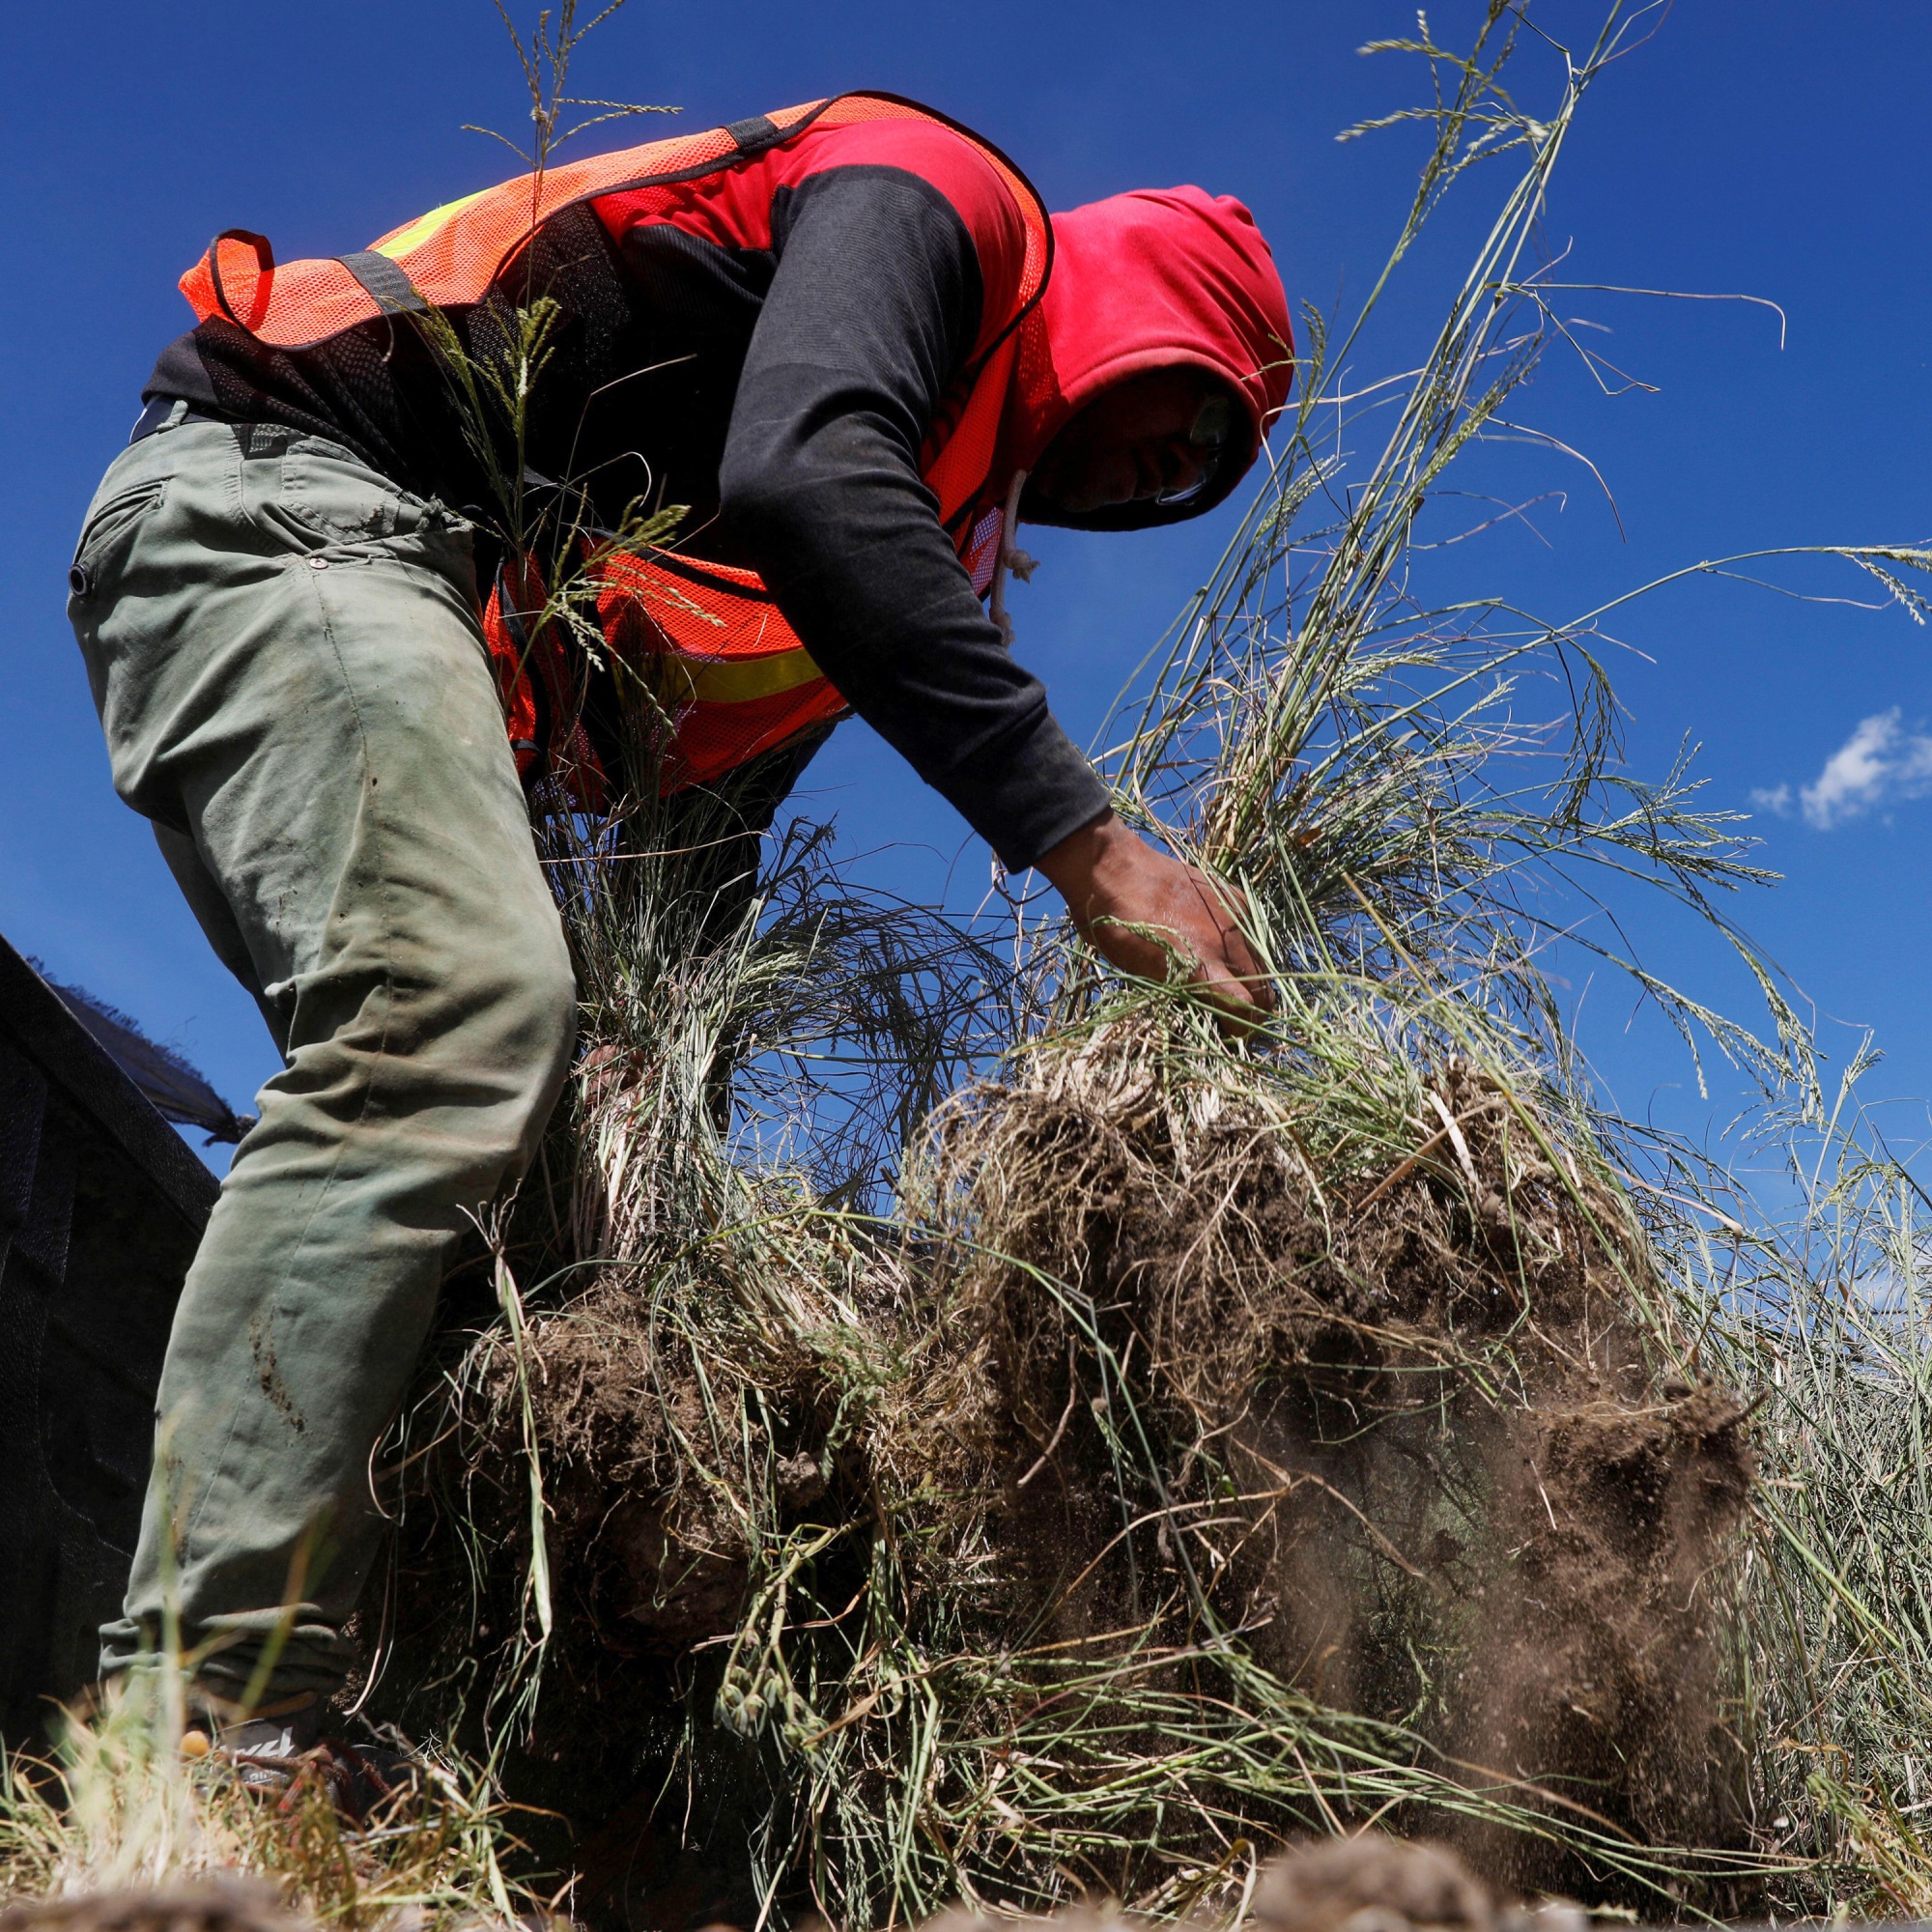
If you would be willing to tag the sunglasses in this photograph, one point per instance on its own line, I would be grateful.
(1212, 432)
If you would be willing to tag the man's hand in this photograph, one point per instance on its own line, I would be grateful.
(1113, 881)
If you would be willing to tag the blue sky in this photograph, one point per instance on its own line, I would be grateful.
(1778, 150)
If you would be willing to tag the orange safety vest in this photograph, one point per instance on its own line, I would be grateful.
(708, 638)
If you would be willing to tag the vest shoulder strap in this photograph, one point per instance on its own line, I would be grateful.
(451, 256)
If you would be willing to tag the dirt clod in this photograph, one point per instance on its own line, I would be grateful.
(1372, 1884)
(217, 1904)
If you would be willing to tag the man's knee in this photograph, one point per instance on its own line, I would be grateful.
(548, 1007)
(464, 1051)
(539, 1019)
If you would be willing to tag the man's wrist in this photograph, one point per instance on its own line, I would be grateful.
(1072, 867)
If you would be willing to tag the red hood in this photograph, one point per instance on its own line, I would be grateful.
(1145, 281)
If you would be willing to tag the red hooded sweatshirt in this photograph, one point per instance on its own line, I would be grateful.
(1149, 280)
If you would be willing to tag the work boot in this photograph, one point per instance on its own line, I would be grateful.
(267, 1748)
(272, 1749)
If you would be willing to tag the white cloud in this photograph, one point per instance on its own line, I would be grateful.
(1776, 798)
(1880, 763)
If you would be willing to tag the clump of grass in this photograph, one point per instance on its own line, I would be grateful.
(1156, 1483)
(1174, 1469)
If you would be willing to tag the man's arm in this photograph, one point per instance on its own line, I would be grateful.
(873, 309)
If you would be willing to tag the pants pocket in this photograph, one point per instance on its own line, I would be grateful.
(109, 530)
(328, 491)
(108, 522)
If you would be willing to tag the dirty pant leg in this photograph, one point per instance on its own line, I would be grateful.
(292, 685)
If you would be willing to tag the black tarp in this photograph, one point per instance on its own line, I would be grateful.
(178, 1092)
(101, 1205)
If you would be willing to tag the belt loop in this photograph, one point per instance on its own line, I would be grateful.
(160, 413)
(155, 418)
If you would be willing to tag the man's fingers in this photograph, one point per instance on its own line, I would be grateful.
(1259, 988)
(1245, 1001)
(1240, 981)
(1234, 982)
(1223, 969)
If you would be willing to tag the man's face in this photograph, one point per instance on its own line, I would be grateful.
(1133, 444)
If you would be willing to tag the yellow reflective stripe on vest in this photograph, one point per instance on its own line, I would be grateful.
(679, 679)
(399, 243)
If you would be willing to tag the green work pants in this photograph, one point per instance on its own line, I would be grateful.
(286, 656)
